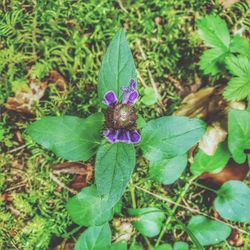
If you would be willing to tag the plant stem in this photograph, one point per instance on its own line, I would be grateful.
(184, 191)
(132, 192)
(148, 242)
(67, 235)
(205, 187)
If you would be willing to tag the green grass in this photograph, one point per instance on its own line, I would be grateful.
(71, 37)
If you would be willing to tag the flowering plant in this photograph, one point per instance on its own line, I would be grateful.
(113, 135)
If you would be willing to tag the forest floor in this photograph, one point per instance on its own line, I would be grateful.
(60, 45)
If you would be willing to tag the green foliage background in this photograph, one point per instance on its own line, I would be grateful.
(72, 37)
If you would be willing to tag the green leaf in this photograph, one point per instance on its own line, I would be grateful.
(238, 65)
(240, 45)
(120, 245)
(238, 134)
(88, 208)
(238, 87)
(212, 61)
(135, 246)
(95, 238)
(169, 170)
(214, 31)
(141, 123)
(113, 169)
(180, 245)
(233, 201)
(149, 222)
(149, 97)
(117, 66)
(208, 232)
(163, 247)
(69, 137)
(206, 163)
(170, 136)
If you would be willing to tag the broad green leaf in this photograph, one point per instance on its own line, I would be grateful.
(113, 169)
(233, 201)
(206, 163)
(170, 136)
(208, 232)
(169, 170)
(180, 245)
(212, 61)
(69, 137)
(120, 245)
(149, 97)
(95, 238)
(240, 45)
(238, 134)
(238, 87)
(88, 208)
(163, 247)
(117, 66)
(214, 31)
(150, 220)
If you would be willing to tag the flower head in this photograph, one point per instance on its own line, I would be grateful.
(120, 118)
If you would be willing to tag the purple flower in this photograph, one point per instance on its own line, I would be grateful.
(120, 118)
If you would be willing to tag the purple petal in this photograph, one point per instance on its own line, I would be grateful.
(135, 136)
(111, 135)
(110, 98)
(133, 97)
(132, 84)
(125, 89)
(123, 136)
(130, 97)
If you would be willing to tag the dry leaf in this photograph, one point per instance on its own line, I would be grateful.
(6, 197)
(214, 135)
(56, 78)
(196, 104)
(24, 101)
(235, 239)
(19, 137)
(83, 173)
(233, 171)
(70, 168)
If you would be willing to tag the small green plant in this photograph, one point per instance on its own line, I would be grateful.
(227, 54)
(114, 137)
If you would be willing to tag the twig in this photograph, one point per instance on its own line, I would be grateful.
(61, 184)
(150, 75)
(160, 197)
(21, 184)
(141, 80)
(16, 149)
(205, 187)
